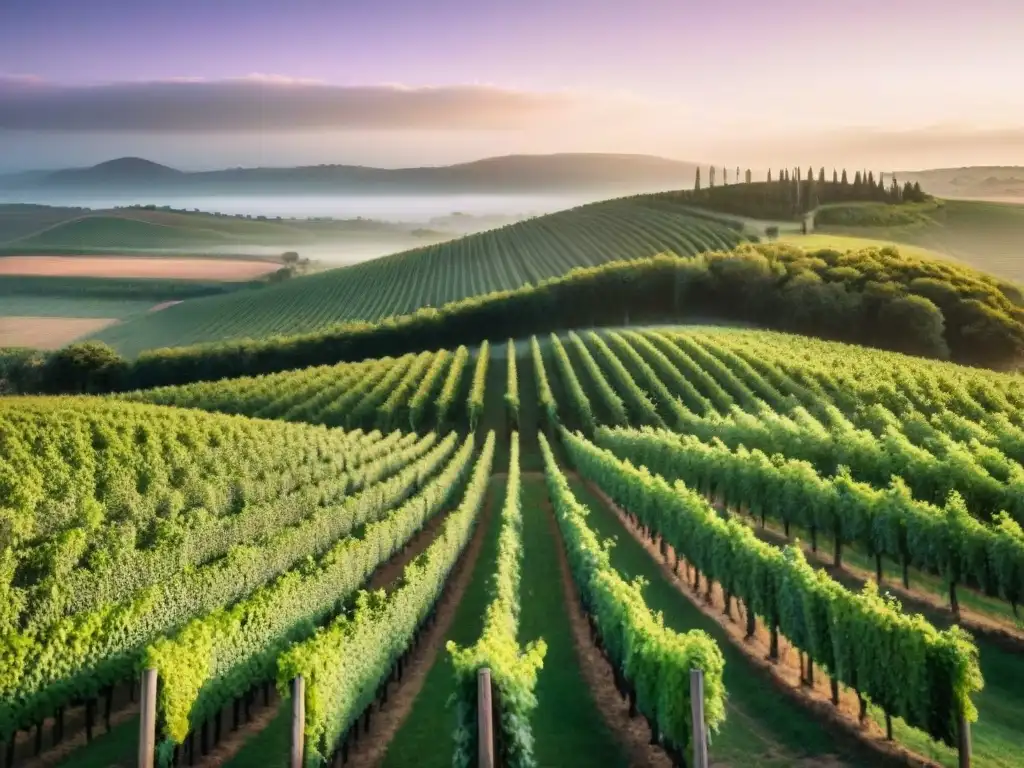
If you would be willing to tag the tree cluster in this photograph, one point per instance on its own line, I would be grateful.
(792, 193)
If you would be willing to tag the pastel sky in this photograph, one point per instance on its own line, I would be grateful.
(212, 83)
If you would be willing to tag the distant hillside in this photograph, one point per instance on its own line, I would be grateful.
(620, 174)
(986, 235)
(981, 182)
(125, 170)
(501, 259)
(37, 228)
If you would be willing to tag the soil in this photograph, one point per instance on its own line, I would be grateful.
(226, 270)
(48, 332)
(785, 672)
(632, 732)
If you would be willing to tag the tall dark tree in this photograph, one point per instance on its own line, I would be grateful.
(749, 176)
(835, 176)
(918, 192)
(845, 181)
(821, 175)
(908, 192)
(856, 181)
(737, 174)
(711, 176)
(696, 182)
(769, 175)
(725, 176)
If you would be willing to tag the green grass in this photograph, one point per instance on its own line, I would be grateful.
(117, 749)
(425, 738)
(763, 727)
(271, 746)
(820, 240)
(567, 726)
(505, 258)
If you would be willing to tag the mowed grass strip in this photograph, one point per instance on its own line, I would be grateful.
(567, 727)
(425, 739)
(763, 727)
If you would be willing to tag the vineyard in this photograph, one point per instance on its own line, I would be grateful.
(316, 565)
(497, 260)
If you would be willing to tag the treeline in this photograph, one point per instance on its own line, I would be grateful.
(871, 297)
(792, 194)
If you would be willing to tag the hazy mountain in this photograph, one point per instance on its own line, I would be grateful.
(514, 173)
(992, 182)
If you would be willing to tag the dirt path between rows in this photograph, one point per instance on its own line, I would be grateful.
(388, 718)
(385, 577)
(784, 673)
(632, 732)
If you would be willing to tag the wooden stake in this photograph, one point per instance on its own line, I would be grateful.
(298, 720)
(485, 720)
(700, 739)
(147, 719)
(964, 743)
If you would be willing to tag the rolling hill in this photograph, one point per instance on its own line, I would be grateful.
(50, 229)
(981, 182)
(986, 235)
(514, 173)
(506, 258)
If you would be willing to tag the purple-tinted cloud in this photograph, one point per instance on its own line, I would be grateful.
(265, 103)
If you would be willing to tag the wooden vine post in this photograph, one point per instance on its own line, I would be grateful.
(700, 731)
(484, 719)
(964, 742)
(147, 719)
(298, 721)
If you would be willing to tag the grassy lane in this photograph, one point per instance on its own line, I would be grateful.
(117, 749)
(425, 738)
(567, 726)
(763, 727)
(270, 746)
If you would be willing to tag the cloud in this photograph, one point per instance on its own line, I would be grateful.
(266, 103)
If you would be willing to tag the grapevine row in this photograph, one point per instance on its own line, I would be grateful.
(859, 639)
(513, 669)
(345, 665)
(651, 662)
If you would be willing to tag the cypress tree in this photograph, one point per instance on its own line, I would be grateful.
(696, 183)
(835, 176)
(821, 175)
(908, 192)
(918, 192)
(845, 181)
(856, 181)
(769, 175)
(711, 176)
